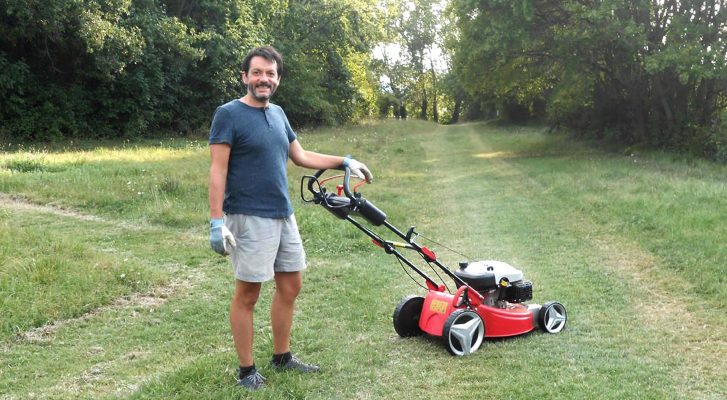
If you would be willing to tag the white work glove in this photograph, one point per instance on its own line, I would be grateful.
(358, 168)
(221, 239)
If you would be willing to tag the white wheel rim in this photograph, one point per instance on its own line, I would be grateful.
(467, 335)
(555, 318)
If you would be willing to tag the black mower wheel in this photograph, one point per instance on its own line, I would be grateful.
(406, 316)
(463, 332)
(552, 317)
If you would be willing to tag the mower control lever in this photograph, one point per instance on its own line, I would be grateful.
(347, 185)
(314, 179)
(340, 205)
(411, 235)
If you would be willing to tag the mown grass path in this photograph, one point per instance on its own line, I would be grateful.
(634, 315)
(630, 244)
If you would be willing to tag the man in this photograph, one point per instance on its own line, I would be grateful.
(251, 213)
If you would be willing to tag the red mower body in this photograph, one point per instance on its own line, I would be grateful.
(501, 322)
(437, 307)
(516, 319)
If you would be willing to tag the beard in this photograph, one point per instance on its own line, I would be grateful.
(252, 89)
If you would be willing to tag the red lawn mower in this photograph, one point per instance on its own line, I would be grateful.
(490, 296)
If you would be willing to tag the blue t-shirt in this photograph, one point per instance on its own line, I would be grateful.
(259, 139)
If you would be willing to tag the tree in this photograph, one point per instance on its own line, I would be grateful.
(133, 67)
(391, 65)
(324, 44)
(98, 68)
(649, 72)
(419, 31)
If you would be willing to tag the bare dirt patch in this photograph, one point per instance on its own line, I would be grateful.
(21, 203)
(153, 299)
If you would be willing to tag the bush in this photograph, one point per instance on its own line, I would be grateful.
(119, 69)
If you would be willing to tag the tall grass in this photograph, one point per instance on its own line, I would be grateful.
(149, 182)
(632, 245)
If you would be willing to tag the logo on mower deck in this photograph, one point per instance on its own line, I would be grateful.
(438, 306)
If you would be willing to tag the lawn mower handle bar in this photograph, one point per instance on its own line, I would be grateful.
(341, 206)
(353, 202)
(346, 180)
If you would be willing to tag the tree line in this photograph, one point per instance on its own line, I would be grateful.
(635, 72)
(648, 73)
(118, 68)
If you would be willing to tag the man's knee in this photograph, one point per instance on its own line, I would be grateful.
(246, 294)
(288, 285)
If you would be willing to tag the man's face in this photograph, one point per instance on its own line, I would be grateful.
(262, 79)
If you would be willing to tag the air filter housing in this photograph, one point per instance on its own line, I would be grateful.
(518, 292)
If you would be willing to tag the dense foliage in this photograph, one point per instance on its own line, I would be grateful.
(646, 72)
(327, 45)
(641, 72)
(131, 67)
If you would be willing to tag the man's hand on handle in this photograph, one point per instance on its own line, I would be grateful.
(358, 168)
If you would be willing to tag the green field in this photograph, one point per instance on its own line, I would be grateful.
(108, 288)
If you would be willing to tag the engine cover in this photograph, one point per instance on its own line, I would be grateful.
(484, 275)
(479, 279)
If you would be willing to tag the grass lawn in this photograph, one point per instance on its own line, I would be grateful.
(108, 288)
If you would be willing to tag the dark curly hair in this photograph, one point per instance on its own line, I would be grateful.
(267, 52)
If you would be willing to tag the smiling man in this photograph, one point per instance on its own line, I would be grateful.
(251, 214)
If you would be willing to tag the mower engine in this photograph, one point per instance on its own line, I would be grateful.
(498, 282)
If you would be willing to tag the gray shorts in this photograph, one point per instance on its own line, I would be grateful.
(264, 246)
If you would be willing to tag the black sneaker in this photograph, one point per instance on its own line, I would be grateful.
(294, 364)
(252, 381)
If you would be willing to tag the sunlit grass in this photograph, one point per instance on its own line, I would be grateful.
(156, 183)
